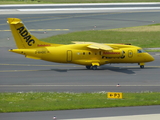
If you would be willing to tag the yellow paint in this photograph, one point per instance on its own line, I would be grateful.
(89, 54)
(116, 95)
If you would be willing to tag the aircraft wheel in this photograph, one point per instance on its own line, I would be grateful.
(88, 67)
(142, 66)
(94, 67)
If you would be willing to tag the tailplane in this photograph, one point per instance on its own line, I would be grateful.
(23, 38)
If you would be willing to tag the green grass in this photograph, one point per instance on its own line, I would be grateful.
(69, 1)
(41, 101)
(139, 38)
(152, 50)
(143, 36)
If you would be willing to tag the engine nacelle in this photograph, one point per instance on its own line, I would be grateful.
(113, 53)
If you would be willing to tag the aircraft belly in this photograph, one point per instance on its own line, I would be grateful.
(83, 62)
(55, 57)
(90, 62)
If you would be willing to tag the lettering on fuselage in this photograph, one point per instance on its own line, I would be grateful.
(24, 33)
(41, 52)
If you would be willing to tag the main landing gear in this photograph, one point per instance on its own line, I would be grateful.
(91, 67)
(88, 67)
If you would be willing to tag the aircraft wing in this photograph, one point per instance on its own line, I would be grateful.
(94, 45)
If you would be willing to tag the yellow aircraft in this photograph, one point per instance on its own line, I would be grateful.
(90, 54)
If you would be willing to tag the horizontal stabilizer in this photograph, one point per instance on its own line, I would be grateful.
(14, 21)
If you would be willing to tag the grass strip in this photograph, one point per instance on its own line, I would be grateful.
(142, 36)
(152, 50)
(48, 101)
(70, 1)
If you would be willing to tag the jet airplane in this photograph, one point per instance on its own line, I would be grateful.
(89, 54)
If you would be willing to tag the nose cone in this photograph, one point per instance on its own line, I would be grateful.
(152, 58)
(149, 58)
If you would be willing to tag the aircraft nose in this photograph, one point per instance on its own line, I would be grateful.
(150, 58)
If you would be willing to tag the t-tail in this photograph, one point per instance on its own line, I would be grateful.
(23, 38)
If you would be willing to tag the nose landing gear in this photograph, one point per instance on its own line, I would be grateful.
(141, 65)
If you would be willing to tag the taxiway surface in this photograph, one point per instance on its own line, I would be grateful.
(21, 74)
(120, 113)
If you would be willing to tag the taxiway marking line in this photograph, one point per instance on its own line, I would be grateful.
(17, 70)
(83, 9)
(34, 65)
(120, 67)
(72, 66)
(77, 85)
(40, 30)
(81, 4)
(129, 117)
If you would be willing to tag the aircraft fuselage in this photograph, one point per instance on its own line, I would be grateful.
(75, 53)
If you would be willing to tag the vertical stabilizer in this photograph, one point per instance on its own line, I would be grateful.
(23, 38)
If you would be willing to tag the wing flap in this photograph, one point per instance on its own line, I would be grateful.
(100, 46)
(94, 45)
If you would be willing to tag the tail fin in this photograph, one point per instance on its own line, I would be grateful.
(23, 38)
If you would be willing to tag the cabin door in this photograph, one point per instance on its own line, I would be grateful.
(69, 55)
(130, 53)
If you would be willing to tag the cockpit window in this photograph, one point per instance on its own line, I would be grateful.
(140, 51)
